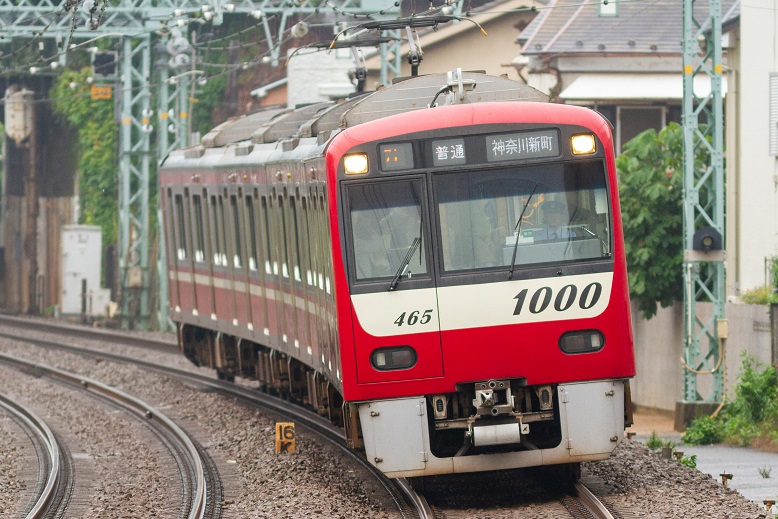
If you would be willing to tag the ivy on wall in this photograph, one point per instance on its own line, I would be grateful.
(93, 119)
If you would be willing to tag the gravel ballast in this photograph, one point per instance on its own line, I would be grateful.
(316, 480)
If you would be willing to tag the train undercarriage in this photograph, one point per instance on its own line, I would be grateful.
(483, 420)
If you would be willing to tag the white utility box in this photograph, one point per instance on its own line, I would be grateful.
(82, 251)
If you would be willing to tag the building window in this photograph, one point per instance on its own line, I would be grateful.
(608, 8)
(632, 120)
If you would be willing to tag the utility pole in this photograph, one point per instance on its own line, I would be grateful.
(703, 213)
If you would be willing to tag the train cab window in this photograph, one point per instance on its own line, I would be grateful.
(520, 216)
(387, 229)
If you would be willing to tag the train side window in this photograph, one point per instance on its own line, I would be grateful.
(181, 231)
(307, 248)
(295, 240)
(327, 265)
(252, 229)
(236, 233)
(284, 245)
(219, 256)
(199, 235)
(267, 242)
(318, 239)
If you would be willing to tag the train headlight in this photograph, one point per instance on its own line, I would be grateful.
(393, 357)
(585, 341)
(583, 144)
(355, 164)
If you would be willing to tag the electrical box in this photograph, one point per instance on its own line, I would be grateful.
(82, 247)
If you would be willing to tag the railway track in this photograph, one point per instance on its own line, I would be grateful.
(409, 503)
(586, 504)
(200, 485)
(54, 477)
(581, 504)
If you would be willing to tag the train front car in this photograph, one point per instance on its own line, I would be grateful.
(483, 307)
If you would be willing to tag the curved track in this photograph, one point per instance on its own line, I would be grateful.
(406, 499)
(54, 481)
(187, 455)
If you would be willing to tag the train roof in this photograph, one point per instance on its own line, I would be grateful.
(322, 120)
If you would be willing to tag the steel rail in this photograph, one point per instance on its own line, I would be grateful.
(399, 490)
(590, 501)
(197, 499)
(46, 438)
(97, 334)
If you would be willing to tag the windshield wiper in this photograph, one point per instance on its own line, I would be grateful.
(405, 263)
(517, 230)
(605, 248)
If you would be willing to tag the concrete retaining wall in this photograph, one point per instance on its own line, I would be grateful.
(659, 346)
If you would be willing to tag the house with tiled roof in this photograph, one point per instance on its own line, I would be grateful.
(620, 58)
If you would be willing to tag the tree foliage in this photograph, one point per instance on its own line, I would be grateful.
(650, 188)
(97, 170)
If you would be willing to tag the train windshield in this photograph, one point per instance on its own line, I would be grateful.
(386, 226)
(521, 216)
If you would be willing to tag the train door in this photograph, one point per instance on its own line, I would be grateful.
(280, 269)
(183, 260)
(170, 246)
(312, 296)
(209, 225)
(240, 282)
(256, 276)
(221, 273)
(319, 238)
(331, 345)
(291, 265)
(234, 261)
(270, 256)
(203, 294)
(298, 237)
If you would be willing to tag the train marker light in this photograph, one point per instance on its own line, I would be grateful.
(583, 144)
(355, 164)
(394, 357)
(585, 341)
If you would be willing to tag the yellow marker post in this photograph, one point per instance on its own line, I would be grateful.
(284, 437)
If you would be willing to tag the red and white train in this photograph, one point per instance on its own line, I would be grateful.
(448, 283)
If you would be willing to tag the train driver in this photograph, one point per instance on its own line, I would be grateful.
(554, 213)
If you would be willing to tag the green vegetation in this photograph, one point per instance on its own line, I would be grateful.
(689, 461)
(654, 442)
(753, 414)
(97, 134)
(650, 188)
(766, 294)
(759, 296)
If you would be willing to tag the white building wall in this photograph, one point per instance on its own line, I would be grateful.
(755, 179)
(316, 76)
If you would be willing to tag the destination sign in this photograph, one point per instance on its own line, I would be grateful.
(525, 145)
(448, 152)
